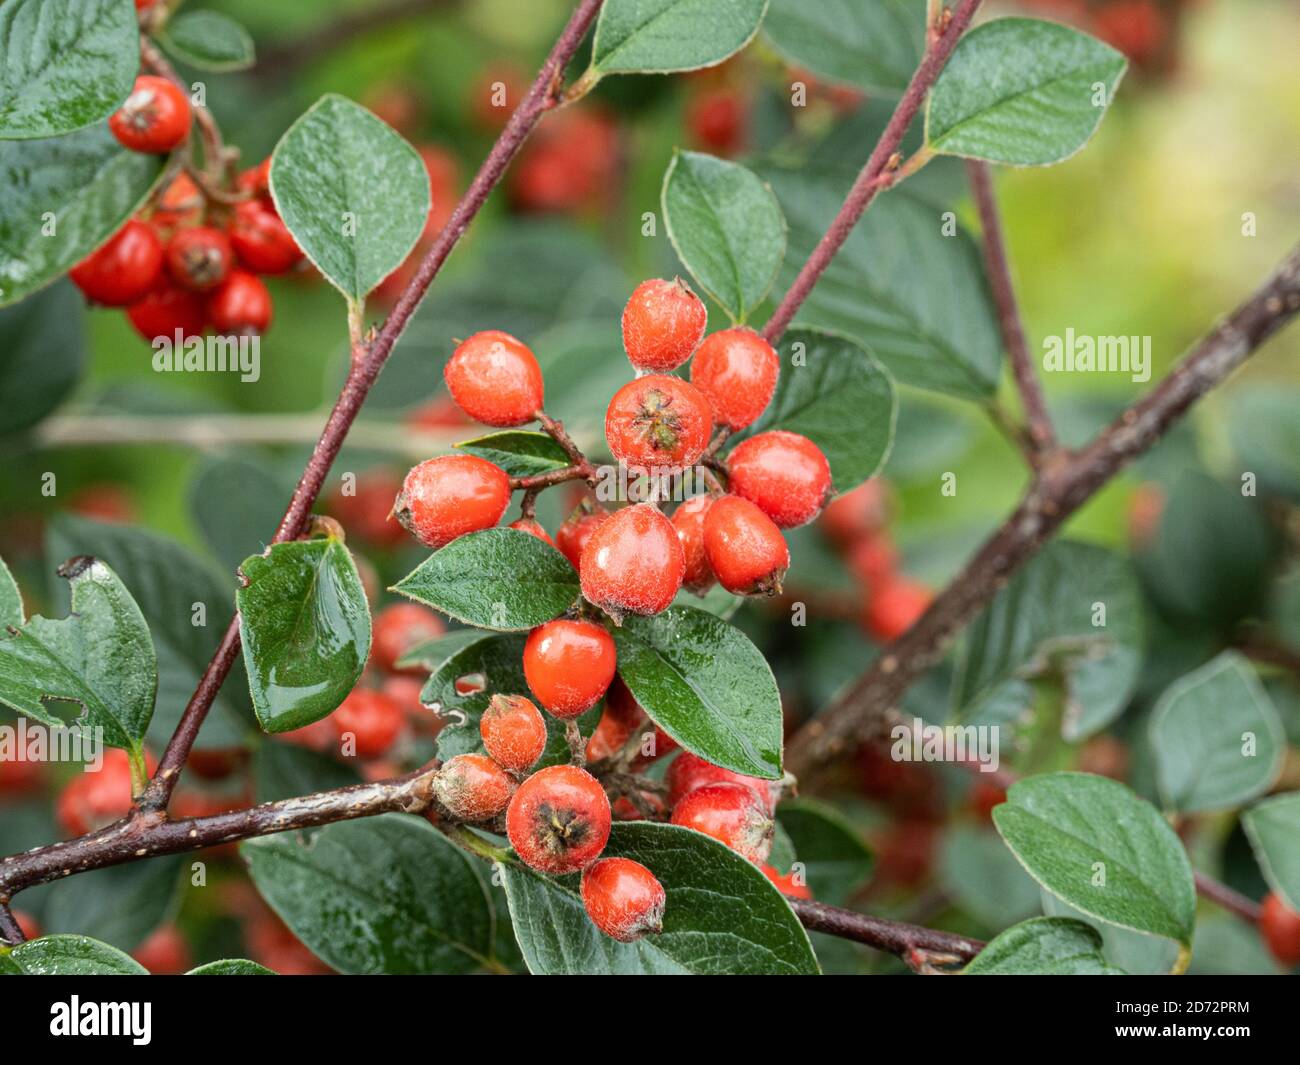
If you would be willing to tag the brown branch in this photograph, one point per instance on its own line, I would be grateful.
(1041, 433)
(1260, 648)
(1232, 901)
(1064, 486)
(924, 949)
(10, 930)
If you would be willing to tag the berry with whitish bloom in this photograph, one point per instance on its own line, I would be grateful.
(736, 370)
(731, 814)
(633, 563)
(782, 473)
(513, 732)
(559, 820)
(688, 520)
(495, 379)
(533, 527)
(663, 324)
(472, 787)
(657, 423)
(623, 899)
(746, 550)
(451, 495)
(690, 771)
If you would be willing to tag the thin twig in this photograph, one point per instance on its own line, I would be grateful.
(11, 931)
(919, 947)
(1231, 900)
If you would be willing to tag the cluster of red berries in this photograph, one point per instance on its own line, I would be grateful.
(1146, 31)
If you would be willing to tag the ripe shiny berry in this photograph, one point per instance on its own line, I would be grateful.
(154, 119)
(397, 629)
(533, 528)
(124, 270)
(372, 719)
(732, 815)
(1280, 927)
(241, 306)
(569, 665)
(261, 240)
(788, 883)
(623, 899)
(473, 787)
(452, 495)
(495, 379)
(620, 718)
(784, 474)
(558, 821)
(657, 421)
(633, 563)
(513, 731)
(94, 799)
(690, 771)
(746, 550)
(572, 536)
(736, 370)
(895, 607)
(688, 520)
(663, 324)
(199, 258)
(166, 309)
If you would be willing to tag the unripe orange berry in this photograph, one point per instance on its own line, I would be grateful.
(559, 820)
(663, 324)
(736, 370)
(895, 607)
(784, 474)
(657, 422)
(446, 497)
(513, 731)
(688, 520)
(1280, 927)
(732, 815)
(473, 787)
(569, 665)
(633, 563)
(495, 379)
(623, 899)
(398, 628)
(746, 550)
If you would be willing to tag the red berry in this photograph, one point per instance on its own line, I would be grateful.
(373, 720)
(688, 520)
(746, 550)
(449, 496)
(620, 718)
(690, 771)
(405, 692)
(661, 744)
(105, 502)
(261, 240)
(572, 536)
(124, 270)
(257, 179)
(533, 528)
(895, 607)
(858, 512)
(569, 665)
(1280, 927)
(397, 629)
(241, 306)
(873, 560)
(368, 511)
(31, 928)
(732, 815)
(736, 370)
(165, 952)
(92, 800)
(181, 204)
(167, 310)
(657, 422)
(788, 883)
(784, 474)
(663, 324)
(20, 777)
(1135, 27)
(199, 258)
(513, 731)
(623, 899)
(983, 797)
(633, 563)
(569, 165)
(318, 736)
(495, 379)
(716, 120)
(154, 119)
(473, 787)
(559, 819)
(216, 764)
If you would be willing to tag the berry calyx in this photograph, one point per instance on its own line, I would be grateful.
(663, 324)
(473, 788)
(169, 309)
(1280, 927)
(495, 379)
(633, 563)
(746, 550)
(513, 731)
(261, 239)
(371, 719)
(688, 521)
(689, 771)
(199, 258)
(241, 306)
(623, 899)
(732, 815)
(397, 629)
(569, 665)
(124, 270)
(154, 119)
(736, 370)
(657, 422)
(895, 607)
(446, 497)
(572, 536)
(533, 527)
(782, 473)
(559, 820)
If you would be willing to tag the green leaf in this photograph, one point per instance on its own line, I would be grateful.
(726, 227)
(519, 453)
(99, 657)
(236, 505)
(663, 36)
(983, 878)
(707, 686)
(1274, 827)
(72, 956)
(1217, 739)
(385, 895)
(1095, 844)
(11, 600)
(1044, 946)
(231, 967)
(434, 652)
(875, 46)
(209, 40)
(1265, 434)
(502, 579)
(354, 194)
(123, 904)
(1075, 608)
(1022, 91)
(42, 355)
(723, 916)
(836, 861)
(833, 391)
(286, 771)
(63, 198)
(915, 297)
(64, 64)
(305, 627)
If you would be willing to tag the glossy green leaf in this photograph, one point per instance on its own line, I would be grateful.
(209, 40)
(354, 194)
(726, 228)
(519, 453)
(232, 967)
(122, 904)
(11, 600)
(1217, 739)
(722, 916)
(42, 355)
(836, 861)
(305, 627)
(430, 654)
(1094, 843)
(663, 36)
(64, 64)
(1274, 830)
(1044, 946)
(386, 895)
(63, 198)
(71, 956)
(875, 46)
(982, 877)
(1022, 91)
(502, 579)
(99, 657)
(706, 685)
